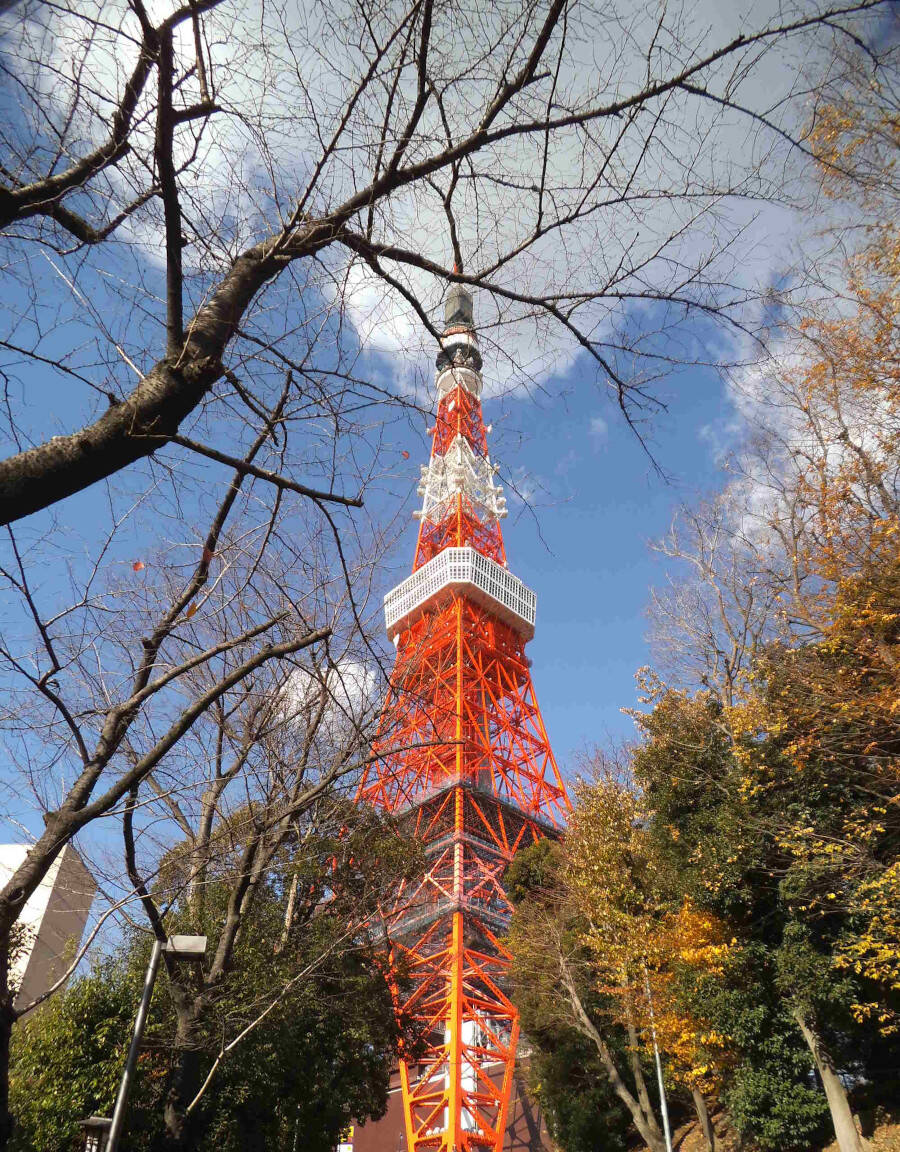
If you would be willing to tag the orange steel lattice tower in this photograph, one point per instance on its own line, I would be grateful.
(462, 755)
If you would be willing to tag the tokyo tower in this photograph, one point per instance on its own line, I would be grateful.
(462, 756)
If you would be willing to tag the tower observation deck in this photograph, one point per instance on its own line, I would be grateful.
(462, 755)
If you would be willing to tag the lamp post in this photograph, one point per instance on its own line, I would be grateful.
(96, 1133)
(664, 1107)
(186, 948)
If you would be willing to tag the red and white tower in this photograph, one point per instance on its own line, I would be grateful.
(462, 754)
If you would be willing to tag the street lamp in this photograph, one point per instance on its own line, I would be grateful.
(191, 949)
(96, 1133)
(664, 1107)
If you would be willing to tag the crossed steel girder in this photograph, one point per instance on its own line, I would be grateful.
(462, 521)
(457, 1092)
(463, 758)
(462, 706)
(459, 414)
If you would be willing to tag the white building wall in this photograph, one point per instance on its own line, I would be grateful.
(53, 919)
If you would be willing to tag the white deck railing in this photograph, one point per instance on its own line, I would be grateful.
(465, 570)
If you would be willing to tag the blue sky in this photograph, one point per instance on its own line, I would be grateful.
(595, 499)
(590, 562)
(581, 542)
(594, 502)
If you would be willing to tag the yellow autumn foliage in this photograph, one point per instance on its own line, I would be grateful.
(635, 941)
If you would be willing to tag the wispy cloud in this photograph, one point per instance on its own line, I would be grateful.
(567, 462)
(599, 430)
(247, 186)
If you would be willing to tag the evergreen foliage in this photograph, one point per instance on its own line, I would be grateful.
(320, 1058)
(739, 869)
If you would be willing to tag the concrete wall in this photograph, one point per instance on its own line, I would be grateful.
(53, 919)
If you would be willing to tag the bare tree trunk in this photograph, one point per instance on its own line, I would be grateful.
(845, 1130)
(637, 1071)
(703, 1118)
(645, 1123)
(288, 915)
(184, 1080)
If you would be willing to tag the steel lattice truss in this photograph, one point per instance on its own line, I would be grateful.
(462, 756)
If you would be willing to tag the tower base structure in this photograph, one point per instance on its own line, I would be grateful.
(526, 1129)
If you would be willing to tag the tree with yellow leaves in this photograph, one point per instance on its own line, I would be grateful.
(812, 723)
(556, 984)
(717, 831)
(640, 933)
(808, 714)
(747, 882)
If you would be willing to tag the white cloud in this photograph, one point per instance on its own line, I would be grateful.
(351, 689)
(521, 486)
(381, 318)
(779, 430)
(567, 462)
(288, 77)
(599, 430)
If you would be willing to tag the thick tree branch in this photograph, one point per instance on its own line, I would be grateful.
(178, 383)
(169, 392)
(165, 167)
(40, 196)
(265, 474)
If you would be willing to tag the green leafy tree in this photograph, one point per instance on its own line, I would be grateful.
(721, 808)
(767, 1088)
(566, 1078)
(562, 1003)
(791, 761)
(68, 1056)
(295, 1041)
